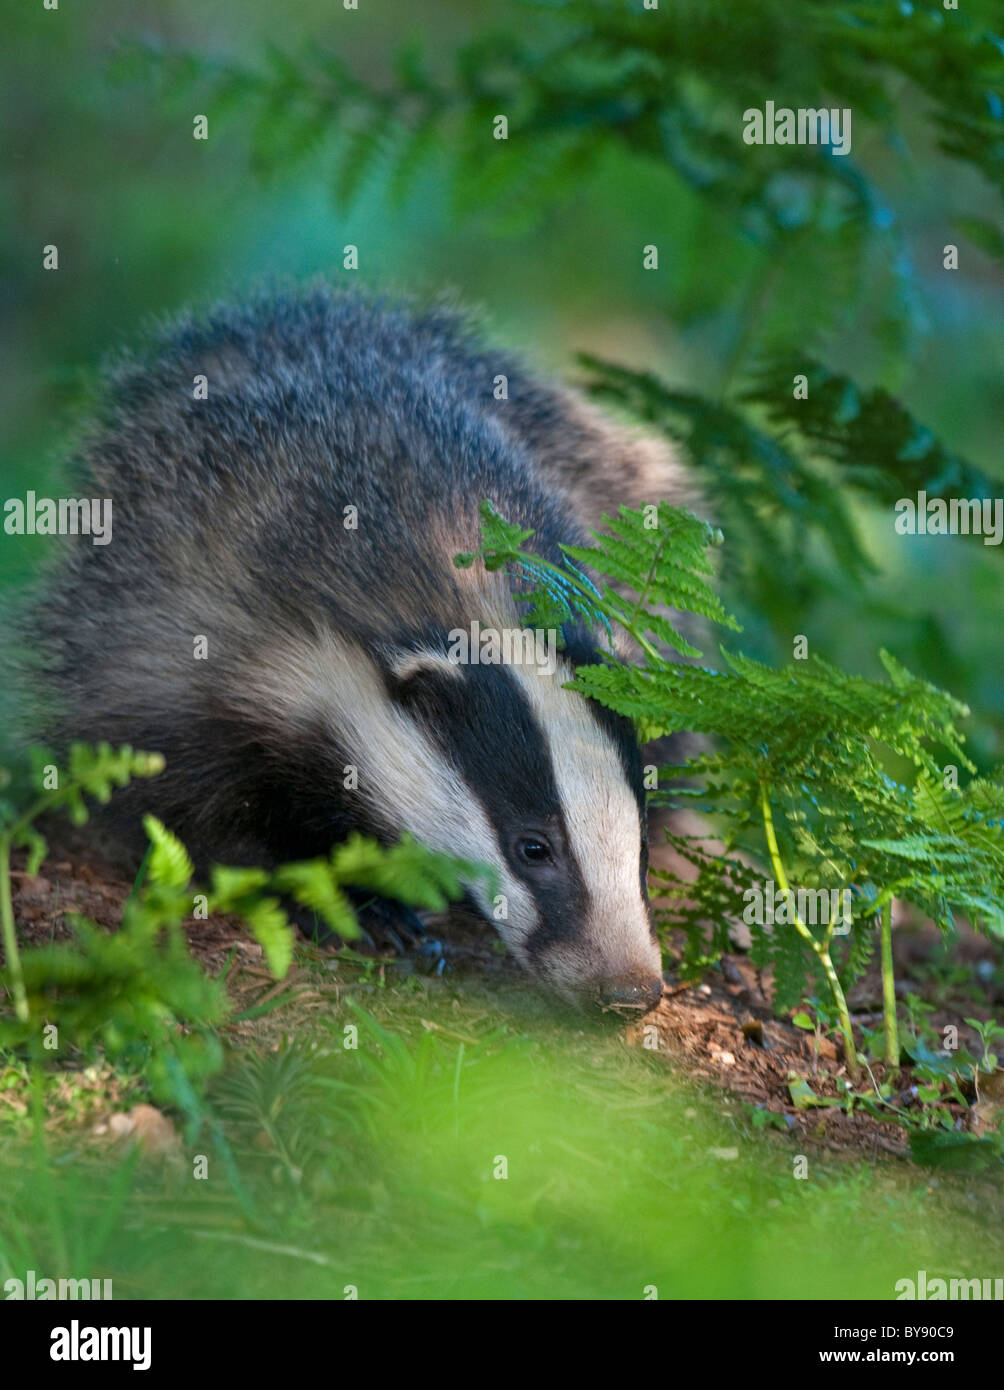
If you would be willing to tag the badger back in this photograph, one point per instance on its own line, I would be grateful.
(318, 484)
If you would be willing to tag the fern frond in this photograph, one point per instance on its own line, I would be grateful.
(170, 864)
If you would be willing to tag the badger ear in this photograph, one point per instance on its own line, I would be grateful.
(411, 672)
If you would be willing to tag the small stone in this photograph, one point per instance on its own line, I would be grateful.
(152, 1131)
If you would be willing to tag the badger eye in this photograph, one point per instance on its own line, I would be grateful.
(534, 850)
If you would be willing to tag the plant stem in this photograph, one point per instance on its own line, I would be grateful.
(821, 948)
(648, 581)
(11, 953)
(889, 988)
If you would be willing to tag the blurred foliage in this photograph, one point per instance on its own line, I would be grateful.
(578, 82)
(671, 85)
(420, 1165)
(771, 487)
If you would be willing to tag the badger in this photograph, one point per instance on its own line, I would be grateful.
(291, 476)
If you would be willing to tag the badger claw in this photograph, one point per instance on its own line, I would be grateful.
(384, 924)
(387, 923)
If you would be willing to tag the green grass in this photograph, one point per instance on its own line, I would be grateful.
(375, 1167)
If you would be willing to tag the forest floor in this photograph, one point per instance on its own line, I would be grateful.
(367, 1105)
(721, 1032)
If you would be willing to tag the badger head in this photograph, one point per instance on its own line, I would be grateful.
(545, 786)
(498, 763)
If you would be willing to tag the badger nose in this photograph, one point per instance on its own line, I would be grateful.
(631, 992)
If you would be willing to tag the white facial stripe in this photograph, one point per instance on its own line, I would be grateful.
(401, 772)
(408, 663)
(604, 829)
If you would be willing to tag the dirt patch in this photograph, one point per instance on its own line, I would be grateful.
(723, 1033)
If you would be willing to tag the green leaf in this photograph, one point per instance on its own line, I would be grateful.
(169, 863)
(803, 1097)
(313, 884)
(272, 930)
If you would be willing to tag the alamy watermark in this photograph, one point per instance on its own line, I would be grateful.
(956, 516)
(59, 516)
(508, 646)
(768, 906)
(926, 1289)
(33, 1287)
(76, 1343)
(780, 125)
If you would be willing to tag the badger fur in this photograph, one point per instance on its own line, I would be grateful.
(327, 645)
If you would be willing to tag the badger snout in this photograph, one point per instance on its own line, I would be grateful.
(619, 977)
(631, 993)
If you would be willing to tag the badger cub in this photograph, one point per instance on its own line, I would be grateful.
(276, 605)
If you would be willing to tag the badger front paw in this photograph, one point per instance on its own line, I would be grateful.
(386, 925)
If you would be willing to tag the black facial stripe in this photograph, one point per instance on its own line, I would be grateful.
(483, 722)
